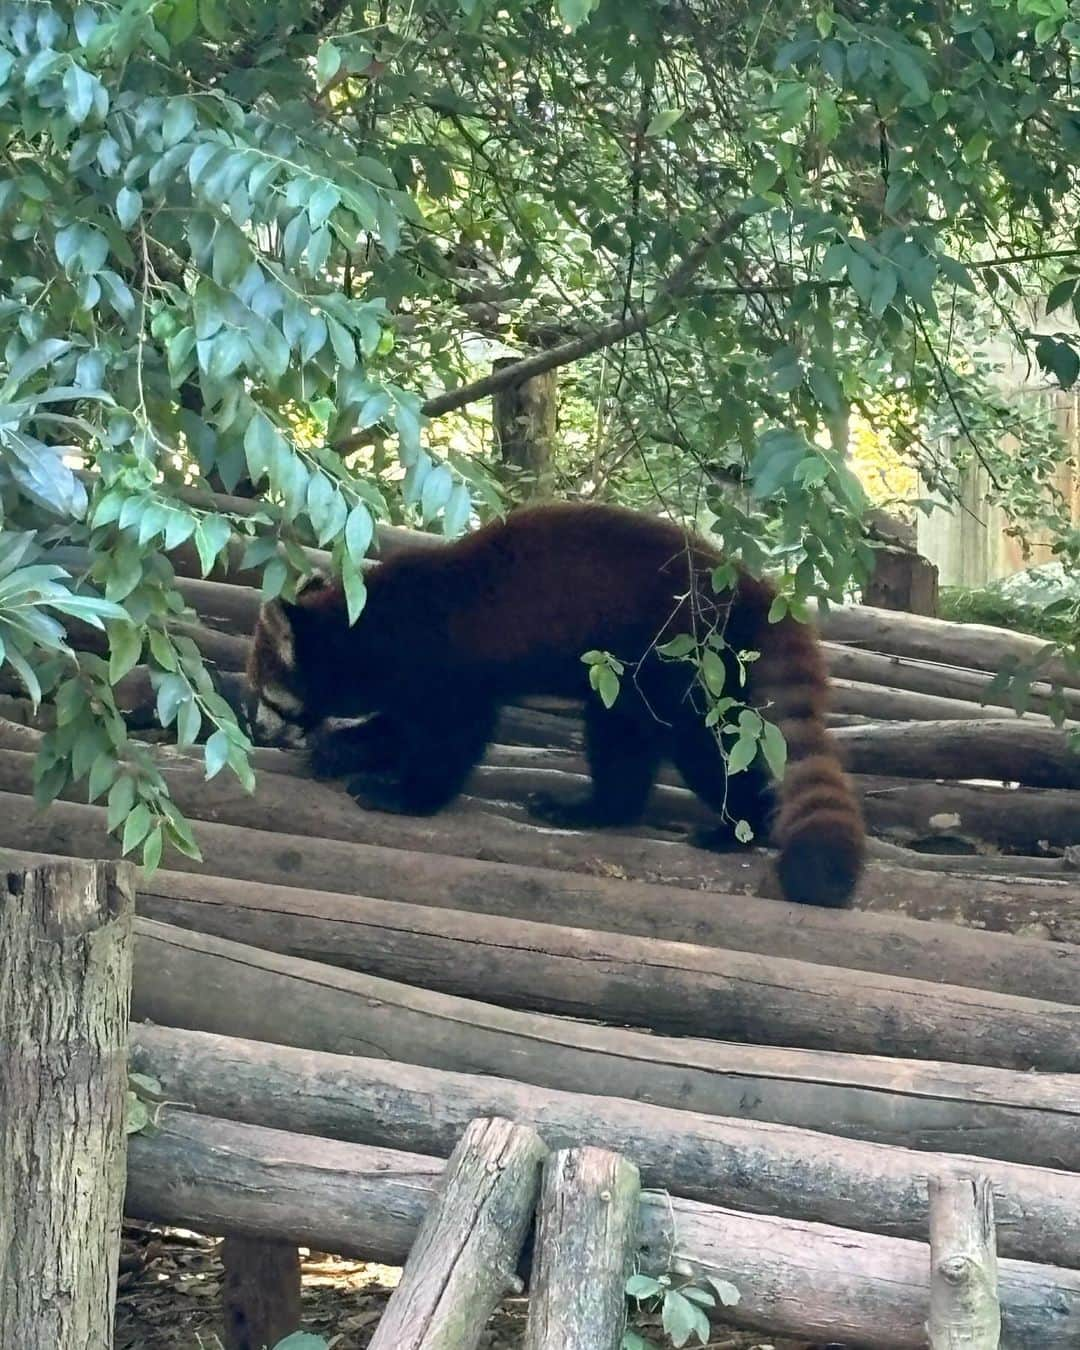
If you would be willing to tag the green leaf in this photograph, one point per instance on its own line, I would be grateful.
(212, 535)
(301, 1340)
(774, 748)
(152, 847)
(103, 773)
(188, 722)
(742, 754)
(136, 828)
(726, 1292)
(178, 122)
(1061, 294)
(643, 1286)
(744, 832)
(983, 43)
(128, 207)
(216, 753)
(683, 1319)
(327, 63)
(80, 88)
(679, 646)
(607, 685)
(121, 801)
(574, 12)
(125, 648)
(355, 590)
(663, 121)
(359, 529)
(910, 72)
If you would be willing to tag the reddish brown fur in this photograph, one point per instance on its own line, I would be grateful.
(448, 635)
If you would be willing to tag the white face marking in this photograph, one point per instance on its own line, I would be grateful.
(280, 697)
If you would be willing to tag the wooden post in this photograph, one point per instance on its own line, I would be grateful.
(965, 1312)
(65, 987)
(261, 1292)
(465, 1255)
(586, 1236)
(524, 421)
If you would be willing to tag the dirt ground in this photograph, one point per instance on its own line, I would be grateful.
(170, 1292)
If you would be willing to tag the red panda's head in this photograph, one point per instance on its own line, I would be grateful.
(283, 659)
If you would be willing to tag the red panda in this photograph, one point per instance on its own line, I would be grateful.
(448, 635)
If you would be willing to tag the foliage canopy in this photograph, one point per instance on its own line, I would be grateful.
(269, 250)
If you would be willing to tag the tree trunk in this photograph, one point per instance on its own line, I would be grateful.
(964, 1309)
(794, 1279)
(749, 1165)
(523, 420)
(465, 1254)
(209, 984)
(586, 1241)
(65, 984)
(260, 1292)
(902, 580)
(665, 986)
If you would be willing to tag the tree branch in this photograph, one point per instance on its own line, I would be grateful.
(565, 353)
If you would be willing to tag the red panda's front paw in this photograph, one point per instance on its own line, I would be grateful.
(377, 792)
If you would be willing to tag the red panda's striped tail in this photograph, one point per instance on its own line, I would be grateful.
(818, 825)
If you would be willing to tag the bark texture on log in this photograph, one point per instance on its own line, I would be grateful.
(65, 984)
(260, 1292)
(665, 986)
(794, 1279)
(898, 673)
(465, 1254)
(586, 1240)
(965, 1313)
(73, 829)
(1037, 755)
(969, 645)
(209, 984)
(749, 1165)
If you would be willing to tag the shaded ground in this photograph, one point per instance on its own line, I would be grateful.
(173, 1303)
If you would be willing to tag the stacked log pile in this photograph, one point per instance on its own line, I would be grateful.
(334, 995)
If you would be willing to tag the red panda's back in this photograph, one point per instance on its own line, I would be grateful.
(564, 578)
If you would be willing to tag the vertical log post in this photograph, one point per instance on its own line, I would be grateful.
(465, 1255)
(524, 419)
(260, 1293)
(65, 989)
(585, 1242)
(964, 1309)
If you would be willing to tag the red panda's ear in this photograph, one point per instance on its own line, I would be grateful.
(315, 581)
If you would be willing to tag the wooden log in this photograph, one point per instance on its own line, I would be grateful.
(669, 987)
(210, 984)
(965, 1312)
(970, 645)
(465, 1253)
(586, 1240)
(749, 1165)
(260, 1292)
(793, 1278)
(1036, 755)
(65, 983)
(930, 677)
(325, 812)
(1021, 820)
(888, 944)
(675, 909)
(882, 704)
